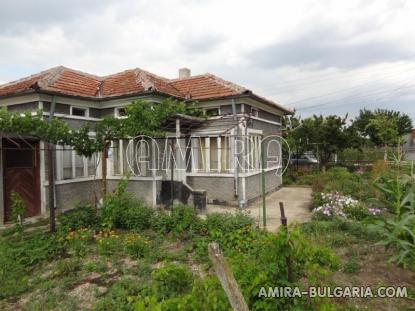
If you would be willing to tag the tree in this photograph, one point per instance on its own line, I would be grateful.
(325, 136)
(142, 118)
(394, 122)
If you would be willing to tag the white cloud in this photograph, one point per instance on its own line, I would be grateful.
(289, 51)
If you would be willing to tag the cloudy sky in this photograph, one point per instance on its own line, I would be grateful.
(318, 56)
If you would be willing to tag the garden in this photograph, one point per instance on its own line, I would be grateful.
(126, 255)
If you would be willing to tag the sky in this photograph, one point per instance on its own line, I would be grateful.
(315, 56)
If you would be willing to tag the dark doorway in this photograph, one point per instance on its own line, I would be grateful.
(21, 174)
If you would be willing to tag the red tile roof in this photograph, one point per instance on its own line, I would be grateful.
(66, 81)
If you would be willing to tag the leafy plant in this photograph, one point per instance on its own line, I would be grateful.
(78, 241)
(121, 296)
(66, 267)
(135, 245)
(182, 221)
(397, 193)
(121, 210)
(18, 211)
(352, 265)
(400, 235)
(108, 243)
(172, 280)
(79, 217)
(13, 277)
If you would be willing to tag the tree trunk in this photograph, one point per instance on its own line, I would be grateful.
(104, 170)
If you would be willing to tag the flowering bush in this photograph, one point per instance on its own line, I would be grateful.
(334, 204)
(338, 205)
(78, 240)
(108, 242)
(135, 245)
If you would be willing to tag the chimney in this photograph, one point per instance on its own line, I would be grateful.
(184, 73)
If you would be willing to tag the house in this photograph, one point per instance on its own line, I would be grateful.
(409, 145)
(236, 115)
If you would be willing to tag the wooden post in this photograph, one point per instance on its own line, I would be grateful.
(284, 222)
(226, 278)
(283, 218)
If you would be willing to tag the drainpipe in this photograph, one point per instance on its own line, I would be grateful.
(236, 154)
(51, 174)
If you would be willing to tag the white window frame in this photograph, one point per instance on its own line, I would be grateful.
(211, 108)
(59, 165)
(206, 154)
(117, 112)
(86, 109)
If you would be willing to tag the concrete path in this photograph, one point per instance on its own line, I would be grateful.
(297, 201)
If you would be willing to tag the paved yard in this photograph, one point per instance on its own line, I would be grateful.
(296, 200)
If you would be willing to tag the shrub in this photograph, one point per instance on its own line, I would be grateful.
(333, 205)
(172, 280)
(227, 222)
(162, 222)
(182, 221)
(80, 217)
(206, 294)
(121, 210)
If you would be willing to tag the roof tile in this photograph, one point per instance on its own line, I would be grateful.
(67, 81)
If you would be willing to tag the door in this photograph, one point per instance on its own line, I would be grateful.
(21, 174)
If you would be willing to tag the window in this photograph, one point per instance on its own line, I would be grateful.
(254, 152)
(21, 158)
(212, 154)
(254, 112)
(70, 165)
(120, 112)
(214, 157)
(79, 166)
(93, 165)
(212, 112)
(79, 112)
(66, 156)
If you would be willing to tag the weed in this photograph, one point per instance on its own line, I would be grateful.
(172, 280)
(352, 265)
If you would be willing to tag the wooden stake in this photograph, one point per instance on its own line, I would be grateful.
(227, 278)
(284, 222)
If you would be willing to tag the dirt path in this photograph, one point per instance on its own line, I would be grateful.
(296, 200)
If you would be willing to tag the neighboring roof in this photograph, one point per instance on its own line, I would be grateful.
(66, 81)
